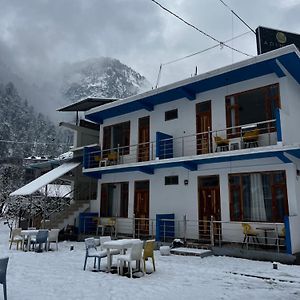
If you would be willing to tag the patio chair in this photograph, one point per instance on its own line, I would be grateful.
(16, 238)
(53, 238)
(91, 251)
(250, 138)
(249, 232)
(280, 236)
(149, 253)
(39, 239)
(134, 254)
(221, 144)
(3, 269)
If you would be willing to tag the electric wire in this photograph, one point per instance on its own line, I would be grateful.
(32, 143)
(193, 54)
(199, 30)
(234, 13)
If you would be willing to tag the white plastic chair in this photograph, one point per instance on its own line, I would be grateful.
(91, 251)
(53, 238)
(134, 254)
(16, 238)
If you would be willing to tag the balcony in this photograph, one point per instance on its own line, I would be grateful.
(238, 138)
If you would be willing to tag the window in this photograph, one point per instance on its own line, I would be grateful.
(258, 196)
(171, 180)
(252, 106)
(114, 200)
(171, 114)
(117, 136)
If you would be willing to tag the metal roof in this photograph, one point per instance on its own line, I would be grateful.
(43, 180)
(86, 104)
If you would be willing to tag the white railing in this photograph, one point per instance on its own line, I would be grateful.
(232, 138)
(264, 236)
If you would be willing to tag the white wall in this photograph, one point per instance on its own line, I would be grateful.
(290, 109)
(186, 123)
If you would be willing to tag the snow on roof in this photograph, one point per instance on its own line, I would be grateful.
(43, 180)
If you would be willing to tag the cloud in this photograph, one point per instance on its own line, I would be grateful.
(38, 36)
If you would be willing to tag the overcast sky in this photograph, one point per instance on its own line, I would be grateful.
(38, 36)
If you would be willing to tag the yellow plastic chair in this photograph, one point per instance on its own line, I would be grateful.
(222, 144)
(250, 138)
(249, 232)
(112, 158)
(16, 238)
(148, 252)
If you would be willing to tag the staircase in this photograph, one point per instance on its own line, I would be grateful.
(68, 215)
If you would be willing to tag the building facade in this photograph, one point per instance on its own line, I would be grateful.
(224, 145)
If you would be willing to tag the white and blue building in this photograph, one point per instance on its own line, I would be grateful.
(182, 149)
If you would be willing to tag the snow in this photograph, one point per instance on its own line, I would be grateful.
(57, 190)
(59, 275)
(190, 250)
(43, 180)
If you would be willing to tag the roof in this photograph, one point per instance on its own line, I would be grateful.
(86, 104)
(43, 180)
(273, 62)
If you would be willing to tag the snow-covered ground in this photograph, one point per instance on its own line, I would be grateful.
(59, 275)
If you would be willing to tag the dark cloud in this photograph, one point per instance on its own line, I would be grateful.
(38, 36)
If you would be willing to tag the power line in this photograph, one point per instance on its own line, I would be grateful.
(32, 143)
(193, 54)
(199, 30)
(204, 50)
(234, 13)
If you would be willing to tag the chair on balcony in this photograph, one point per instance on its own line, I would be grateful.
(250, 138)
(249, 232)
(221, 144)
(112, 158)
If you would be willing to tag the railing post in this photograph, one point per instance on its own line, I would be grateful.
(164, 231)
(118, 154)
(184, 229)
(212, 240)
(133, 226)
(152, 151)
(209, 146)
(277, 238)
(152, 228)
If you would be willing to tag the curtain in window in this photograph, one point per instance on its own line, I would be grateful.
(258, 209)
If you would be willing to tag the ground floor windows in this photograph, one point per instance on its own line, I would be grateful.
(258, 196)
(114, 200)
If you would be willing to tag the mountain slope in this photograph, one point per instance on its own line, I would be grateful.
(102, 77)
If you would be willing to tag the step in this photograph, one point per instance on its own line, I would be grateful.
(191, 252)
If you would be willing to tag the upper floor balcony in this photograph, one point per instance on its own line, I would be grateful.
(165, 146)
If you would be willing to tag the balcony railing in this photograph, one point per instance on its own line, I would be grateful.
(259, 134)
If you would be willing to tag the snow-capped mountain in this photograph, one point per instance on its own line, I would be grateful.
(102, 77)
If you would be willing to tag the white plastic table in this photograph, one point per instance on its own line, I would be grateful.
(121, 245)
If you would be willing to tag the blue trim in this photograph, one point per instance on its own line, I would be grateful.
(288, 243)
(276, 68)
(189, 90)
(147, 170)
(189, 94)
(278, 125)
(192, 165)
(283, 158)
